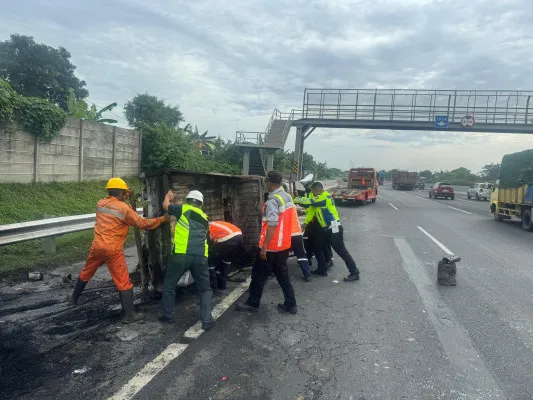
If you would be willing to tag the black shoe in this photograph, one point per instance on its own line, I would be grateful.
(351, 278)
(307, 279)
(319, 272)
(284, 309)
(164, 318)
(246, 307)
(208, 325)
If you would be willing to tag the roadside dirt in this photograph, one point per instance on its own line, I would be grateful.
(53, 351)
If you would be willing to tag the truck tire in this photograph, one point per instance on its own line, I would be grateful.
(477, 197)
(468, 196)
(527, 223)
(373, 200)
(495, 215)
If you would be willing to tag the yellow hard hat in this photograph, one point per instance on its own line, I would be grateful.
(116, 183)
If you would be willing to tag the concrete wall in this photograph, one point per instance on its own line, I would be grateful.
(83, 150)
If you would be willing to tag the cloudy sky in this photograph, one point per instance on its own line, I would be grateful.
(229, 63)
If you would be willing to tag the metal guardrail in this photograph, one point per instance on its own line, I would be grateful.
(252, 138)
(488, 106)
(50, 227)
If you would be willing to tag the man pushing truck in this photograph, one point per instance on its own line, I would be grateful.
(113, 219)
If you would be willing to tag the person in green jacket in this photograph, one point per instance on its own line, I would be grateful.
(188, 253)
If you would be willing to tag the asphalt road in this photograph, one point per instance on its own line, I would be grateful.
(395, 334)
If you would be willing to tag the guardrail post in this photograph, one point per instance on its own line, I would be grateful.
(49, 243)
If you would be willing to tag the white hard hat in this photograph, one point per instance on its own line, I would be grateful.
(195, 195)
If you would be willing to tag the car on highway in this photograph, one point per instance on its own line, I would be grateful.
(441, 189)
(480, 191)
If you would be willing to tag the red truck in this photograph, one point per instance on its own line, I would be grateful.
(362, 187)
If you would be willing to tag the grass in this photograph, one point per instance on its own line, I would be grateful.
(28, 202)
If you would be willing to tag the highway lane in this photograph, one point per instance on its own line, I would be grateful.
(394, 334)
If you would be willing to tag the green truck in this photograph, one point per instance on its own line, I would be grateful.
(512, 196)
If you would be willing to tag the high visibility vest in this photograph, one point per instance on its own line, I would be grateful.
(282, 235)
(190, 235)
(325, 215)
(220, 231)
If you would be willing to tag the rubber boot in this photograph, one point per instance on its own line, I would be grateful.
(78, 288)
(206, 305)
(126, 299)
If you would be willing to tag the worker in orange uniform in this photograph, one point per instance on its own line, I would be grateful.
(226, 245)
(275, 243)
(113, 219)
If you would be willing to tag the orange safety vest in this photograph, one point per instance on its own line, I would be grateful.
(220, 231)
(295, 226)
(282, 236)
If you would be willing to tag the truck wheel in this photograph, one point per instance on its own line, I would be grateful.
(495, 215)
(453, 197)
(477, 197)
(373, 200)
(468, 196)
(527, 224)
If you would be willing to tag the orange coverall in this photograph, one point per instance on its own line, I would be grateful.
(113, 219)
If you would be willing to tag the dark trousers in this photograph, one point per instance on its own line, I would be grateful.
(297, 246)
(314, 235)
(337, 243)
(221, 255)
(177, 266)
(277, 262)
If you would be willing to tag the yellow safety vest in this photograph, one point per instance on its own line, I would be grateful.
(190, 236)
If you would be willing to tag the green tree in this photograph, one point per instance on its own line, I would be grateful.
(490, 172)
(38, 70)
(96, 115)
(145, 109)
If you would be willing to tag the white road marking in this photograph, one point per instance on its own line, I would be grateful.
(174, 350)
(479, 383)
(150, 370)
(380, 196)
(458, 209)
(420, 197)
(393, 206)
(446, 250)
(467, 201)
(196, 330)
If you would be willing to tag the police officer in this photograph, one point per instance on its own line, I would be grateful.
(324, 210)
(189, 253)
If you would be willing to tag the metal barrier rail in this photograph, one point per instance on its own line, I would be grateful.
(50, 227)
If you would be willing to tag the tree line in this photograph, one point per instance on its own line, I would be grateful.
(459, 176)
(39, 88)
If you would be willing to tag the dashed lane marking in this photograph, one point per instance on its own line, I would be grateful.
(442, 246)
(393, 206)
(458, 209)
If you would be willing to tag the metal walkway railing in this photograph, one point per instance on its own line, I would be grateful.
(486, 106)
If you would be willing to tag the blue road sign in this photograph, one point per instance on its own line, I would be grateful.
(441, 121)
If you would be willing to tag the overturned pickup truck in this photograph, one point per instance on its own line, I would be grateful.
(232, 198)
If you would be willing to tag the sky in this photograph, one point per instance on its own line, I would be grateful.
(229, 63)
